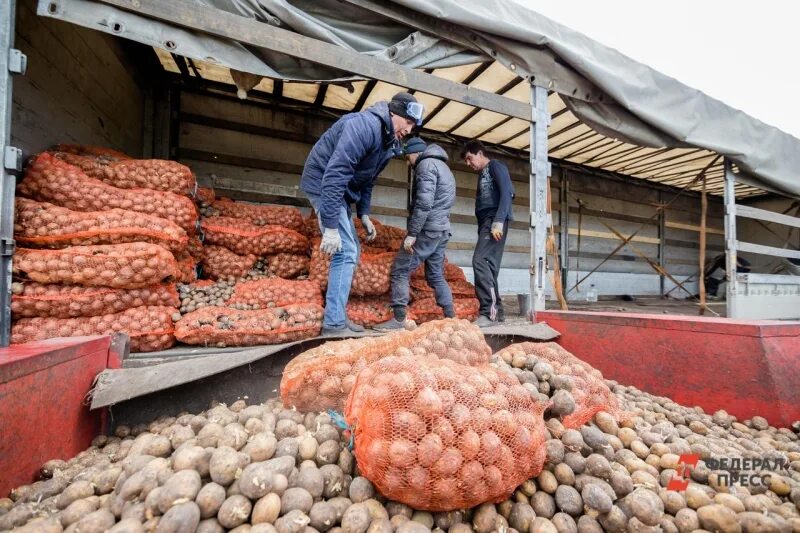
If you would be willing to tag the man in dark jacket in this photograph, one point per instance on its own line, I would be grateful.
(341, 170)
(433, 194)
(493, 211)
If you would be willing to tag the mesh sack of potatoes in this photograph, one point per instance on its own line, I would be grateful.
(368, 311)
(451, 272)
(70, 301)
(372, 276)
(261, 215)
(223, 326)
(92, 166)
(321, 378)
(420, 289)
(244, 237)
(156, 174)
(439, 436)
(194, 247)
(221, 263)
(150, 328)
(48, 179)
(205, 196)
(274, 292)
(44, 225)
(427, 309)
(584, 393)
(386, 238)
(287, 266)
(123, 266)
(108, 154)
(186, 267)
(311, 226)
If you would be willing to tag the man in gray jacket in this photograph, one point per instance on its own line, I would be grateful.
(433, 194)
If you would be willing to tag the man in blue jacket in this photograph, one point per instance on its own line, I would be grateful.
(433, 195)
(493, 210)
(341, 170)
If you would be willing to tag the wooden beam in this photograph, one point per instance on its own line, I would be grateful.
(250, 31)
(767, 216)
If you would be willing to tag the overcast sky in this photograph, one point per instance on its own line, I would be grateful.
(727, 49)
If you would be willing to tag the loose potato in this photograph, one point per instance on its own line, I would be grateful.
(296, 498)
(127, 525)
(543, 504)
(328, 452)
(41, 525)
(333, 479)
(521, 517)
(210, 525)
(261, 447)
(646, 506)
(225, 465)
(294, 522)
(569, 500)
(361, 489)
(180, 487)
(313, 480)
(76, 491)
(381, 525)
(716, 517)
(484, 518)
(256, 480)
(95, 522)
(180, 518)
(192, 458)
(323, 516)
(77, 510)
(356, 519)
(234, 511)
(209, 499)
(267, 509)
(412, 527)
(263, 527)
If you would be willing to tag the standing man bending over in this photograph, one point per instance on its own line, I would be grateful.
(433, 194)
(493, 211)
(340, 171)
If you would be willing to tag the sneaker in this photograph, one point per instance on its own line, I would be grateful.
(484, 321)
(390, 325)
(348, 329)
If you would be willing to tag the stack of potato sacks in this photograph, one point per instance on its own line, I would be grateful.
(101, 238)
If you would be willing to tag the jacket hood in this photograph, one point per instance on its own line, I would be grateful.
(435, 151)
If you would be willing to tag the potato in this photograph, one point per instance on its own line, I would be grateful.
(77, 510)
(587, 524)
(296, 498)
(234, 511)
(361, 489)
(307, 448)
(210, 525)
(333, 480)
(341, 505)
(180, 518)
(564, 523)
(263, 527)
(484, 518)
(261, 447)
(375, 509)
(543, 504)
(328, 452)
(346, 462)
(323, 516)
(95, 522)
(75, 491)
(547, 482)
(210, 434)
(716, 517)
(326, 432)
(287, 447)
(256, 480)
(181, 486)
(41, 525)
(563, 403)
(225, 465)
(646, 506)
(127, 525)
(234, 436)
(595, 498)
(294, 522)
(356, 519)
(569, 500)
(381, 525)
(412, 527)
(521, 517)
(192, 458)
(267, 509)
(209, 499)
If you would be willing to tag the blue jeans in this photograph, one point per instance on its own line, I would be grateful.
(343, 264)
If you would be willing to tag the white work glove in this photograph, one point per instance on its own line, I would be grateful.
(408, 244)
(331, 241)
(497, 230)
(369, 227)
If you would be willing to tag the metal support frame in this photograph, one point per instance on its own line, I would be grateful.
(11, 62)
(662, 242)
(563, 222)
(730, 238)
(540, 219)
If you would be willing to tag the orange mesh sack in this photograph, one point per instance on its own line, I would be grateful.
(155, 174)
(149, 328)
(222, 326)
(69, 301)
(420, 289)
(287, 266)
(373, 275)
(243, 237)
(451, 272)
(48, 179)
(387, 238)
(440, 436)
(321, 378)
(205, 196)
(318, 266)
(122, 266)
(221, 263)
(186, 268)
(92, 166)
(44, 225)
(194, 248)
(92, 151)
(369, 310)
(274, 292)
(426, 310)
(589, 390)
(261, 215)
(311, 226)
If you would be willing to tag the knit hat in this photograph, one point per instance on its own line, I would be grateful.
(414, 145)
(399, 106)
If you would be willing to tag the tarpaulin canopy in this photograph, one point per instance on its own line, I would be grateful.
(609, 111)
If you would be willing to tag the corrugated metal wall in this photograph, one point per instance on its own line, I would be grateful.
(256, 153)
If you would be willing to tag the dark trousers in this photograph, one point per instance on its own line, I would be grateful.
(486, 267)
(429, 248)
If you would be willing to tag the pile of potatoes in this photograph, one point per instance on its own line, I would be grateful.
(48, 179)
(224, 326)
(245, 238)
(194, 296)
(269, 468)
(33, 299)
(273, 292)
(125, 266)
(40, 224)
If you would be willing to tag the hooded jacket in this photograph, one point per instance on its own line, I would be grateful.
(343, 164)
(433, 192)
